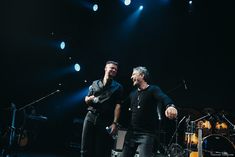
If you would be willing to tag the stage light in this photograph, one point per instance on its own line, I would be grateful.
(190, 6)
(62, 45)
(95, 7)
(77, 67)
(141, 7)
(132, 19)
(127, 2)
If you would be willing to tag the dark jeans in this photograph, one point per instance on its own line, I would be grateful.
(143, 141)
(96, 142)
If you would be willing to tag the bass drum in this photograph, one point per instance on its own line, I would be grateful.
(217, 145)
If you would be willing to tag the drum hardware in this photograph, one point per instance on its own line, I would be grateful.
(215, 145)
(174, 149)
(203, 117)
(191, 137)
(199, 152)
(233, 126)
(211, 145)
(199, 146)
(208, 110)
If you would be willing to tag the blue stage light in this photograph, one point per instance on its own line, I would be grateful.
(62, 45)
(141, 7)
(127, 2)
(77, 67)
(95, 7)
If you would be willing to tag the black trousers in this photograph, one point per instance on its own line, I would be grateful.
(143, 141)
(96, 142)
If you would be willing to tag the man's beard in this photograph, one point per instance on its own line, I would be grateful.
(135, 84)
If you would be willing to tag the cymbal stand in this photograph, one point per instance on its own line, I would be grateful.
(223, 116)
(203, 117)
(188, 134)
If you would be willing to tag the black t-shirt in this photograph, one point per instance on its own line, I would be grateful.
(143, 106)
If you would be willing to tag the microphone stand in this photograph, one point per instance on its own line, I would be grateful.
(8, 152)
(12, 128)
(40, 99)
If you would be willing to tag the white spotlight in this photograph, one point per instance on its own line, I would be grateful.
(62, 45)
(190, 2)
(127, 2)
(95, 7)
(77, 67)
(141, 7)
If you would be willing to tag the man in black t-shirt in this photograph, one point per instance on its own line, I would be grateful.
(103, 101)
(143, 108)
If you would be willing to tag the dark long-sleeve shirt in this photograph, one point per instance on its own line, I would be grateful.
(143, 105)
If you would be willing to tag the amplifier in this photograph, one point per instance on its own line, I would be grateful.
(117, 153)
(119, 141)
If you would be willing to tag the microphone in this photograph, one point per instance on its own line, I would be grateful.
(185, 85)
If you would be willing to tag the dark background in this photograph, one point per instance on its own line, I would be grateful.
(172, 41)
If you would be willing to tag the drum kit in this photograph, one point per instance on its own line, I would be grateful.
(209, 135)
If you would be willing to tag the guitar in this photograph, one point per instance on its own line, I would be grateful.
(23, 139)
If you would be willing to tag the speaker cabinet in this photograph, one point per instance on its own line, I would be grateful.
(118, 145)
(117, 153)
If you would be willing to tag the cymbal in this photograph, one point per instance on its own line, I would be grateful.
(208, 110)
(193, 113)
(223, 112)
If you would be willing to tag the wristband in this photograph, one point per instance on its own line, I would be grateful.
(115, 123)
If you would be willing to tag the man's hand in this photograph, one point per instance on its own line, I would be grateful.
(171, 112)
(89, 99)
(114, 128)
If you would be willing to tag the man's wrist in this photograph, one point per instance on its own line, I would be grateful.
(116, 123)
(170, 105)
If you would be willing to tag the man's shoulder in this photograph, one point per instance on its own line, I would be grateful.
(154, 87)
